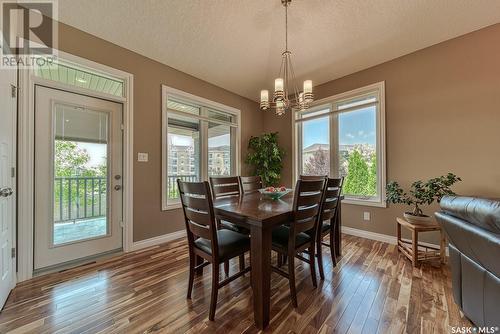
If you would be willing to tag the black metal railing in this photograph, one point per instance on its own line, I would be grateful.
(173, 191)
(79, 197)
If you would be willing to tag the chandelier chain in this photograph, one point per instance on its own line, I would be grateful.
(286, 27)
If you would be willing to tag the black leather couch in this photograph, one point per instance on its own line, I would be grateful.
(473, 229)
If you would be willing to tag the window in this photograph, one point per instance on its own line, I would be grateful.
(344, 136)
(315, 137)
(79, 76)
(200, 139)
(219, 149)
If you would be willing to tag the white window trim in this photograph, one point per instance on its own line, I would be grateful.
(175, 93)
(381, 139)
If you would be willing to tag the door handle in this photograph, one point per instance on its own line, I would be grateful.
(118, 187)
(6, 192)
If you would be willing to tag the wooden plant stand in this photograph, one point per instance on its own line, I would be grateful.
(416, 251)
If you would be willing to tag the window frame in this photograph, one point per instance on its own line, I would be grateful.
(205, 105)
(332, 103)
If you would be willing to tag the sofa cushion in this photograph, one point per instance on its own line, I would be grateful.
(484, 213)
(477, 243)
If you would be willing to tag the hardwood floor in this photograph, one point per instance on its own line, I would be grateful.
(373, 289)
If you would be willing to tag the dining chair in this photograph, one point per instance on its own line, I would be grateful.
(228, 186)
(299, 235)
(250, 184)
(205, 240)
(327, 217)
(312, 177)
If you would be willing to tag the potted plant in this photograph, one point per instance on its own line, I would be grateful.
(421, 193)
(266, 157)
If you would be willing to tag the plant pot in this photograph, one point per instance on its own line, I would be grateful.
(417, 219)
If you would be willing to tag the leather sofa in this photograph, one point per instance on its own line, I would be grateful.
(473, 229)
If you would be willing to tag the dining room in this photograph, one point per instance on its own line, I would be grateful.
(283, 166)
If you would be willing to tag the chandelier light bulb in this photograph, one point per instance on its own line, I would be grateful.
(308, 86)
(264, 99)
(280, 108)
(278, 85)
(264, 95)
(302, 105)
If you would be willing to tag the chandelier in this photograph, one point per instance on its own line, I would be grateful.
(287, 95)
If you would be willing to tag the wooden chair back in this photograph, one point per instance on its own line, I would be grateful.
(306, 205)
(331, 198)
(250, 184)
(225, 186)
(312, 177)
(198, 211)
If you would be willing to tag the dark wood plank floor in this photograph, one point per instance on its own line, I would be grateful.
(372, 290)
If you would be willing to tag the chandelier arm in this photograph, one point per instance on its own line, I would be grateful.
(296, 88)
(282, 68)
(287, 78)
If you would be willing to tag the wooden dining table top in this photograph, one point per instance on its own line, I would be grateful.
(255, 208)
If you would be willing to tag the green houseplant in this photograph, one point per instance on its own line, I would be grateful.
(266, 157)
(421, 193)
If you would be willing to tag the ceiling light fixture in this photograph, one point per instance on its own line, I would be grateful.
(286, 95)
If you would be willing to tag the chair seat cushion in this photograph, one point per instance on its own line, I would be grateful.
(231, 244)
(280, 237)
(325, 227)
(234, 227)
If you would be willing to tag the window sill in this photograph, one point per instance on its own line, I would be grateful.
(173, 206)
(364, 202)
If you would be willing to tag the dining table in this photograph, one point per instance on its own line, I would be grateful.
(260, 214)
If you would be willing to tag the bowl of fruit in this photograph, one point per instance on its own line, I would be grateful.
(275, 192)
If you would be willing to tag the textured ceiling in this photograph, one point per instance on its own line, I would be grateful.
(237, 44)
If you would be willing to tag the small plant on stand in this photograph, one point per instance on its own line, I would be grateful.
(421, 193)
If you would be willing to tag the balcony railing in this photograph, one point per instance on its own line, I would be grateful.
(79, 197)
(173, 191)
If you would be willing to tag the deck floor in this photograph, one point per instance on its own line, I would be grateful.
(81, 229)
(373, 289)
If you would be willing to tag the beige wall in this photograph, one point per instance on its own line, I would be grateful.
(149, 75)
(442, 115)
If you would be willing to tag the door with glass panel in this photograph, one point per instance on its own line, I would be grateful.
(78, 177)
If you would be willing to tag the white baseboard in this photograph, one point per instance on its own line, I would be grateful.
(158, 240)
(369, 235)
(379, 236)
